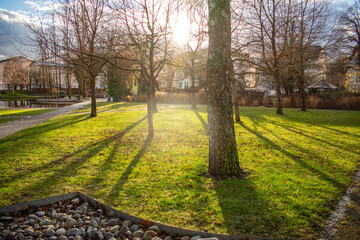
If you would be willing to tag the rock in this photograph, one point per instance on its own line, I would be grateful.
(5, 233)
(49, 233)
(89, 232)
(62, 237)
(156, 238)
(148, 235)
(127, 223)
(111, 213)
(53, 238)
(71, 212)
(80, 223)
(78, 237)
(71, 237)
(168, 238)
(100, 211)
(45, 222)
(212, 238)
(75, 201)
(134, 228)
(40, 213)
(155, 229)
(108, 235)
(33, 216)
(6, 219)
(98, 235)
(114, 228)
(113, 222)
(195, 237)
(185, 238)
(60, 232)
(76, 216)
(29, 232)
(19, 236)
(124, 229)
(96, 219)
(71, 232)
(94, 223)
(69, 223)
(81, 232)
(139, 234)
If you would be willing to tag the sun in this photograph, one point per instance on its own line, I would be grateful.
(181, 31)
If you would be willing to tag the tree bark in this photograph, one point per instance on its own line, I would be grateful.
(150, 109)
(93, 97)
(223, 155)
(193, 103)
(278, 94)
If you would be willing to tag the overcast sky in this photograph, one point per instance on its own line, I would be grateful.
(14, 39)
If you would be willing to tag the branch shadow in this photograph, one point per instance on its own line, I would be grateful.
(203, 122)
(84, 154)
(295, 158)
(127, 172)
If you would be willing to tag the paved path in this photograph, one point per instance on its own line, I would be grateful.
(12, 127)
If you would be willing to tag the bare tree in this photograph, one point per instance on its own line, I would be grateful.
(223, 155)
(147, 30)
(80, 25)
(15, 74)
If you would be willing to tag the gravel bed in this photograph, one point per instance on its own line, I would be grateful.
(77, 220)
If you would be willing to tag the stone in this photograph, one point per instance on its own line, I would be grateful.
(40, 213)
(168, 238)
(19, 236)
(98, 235)
(114, 228)
(138, 234)
(45, 222)
(33, 216)
(124, 229)
(108, 235)
(71, 212)
(156, 238)
(212, 238)
(75, 201)
(195, 237)
(49, 233)
(127, 223)
(5, 233)
(81, 232)
(134, 228)
(69, 223)
(29, 232)
(113, 222)
(111, 213)
(76, 216)
(148, 235)
(94, 223)
(80, 223)
(155, 229)
(100, 211)
(6, 219)
(89, 232)
(78, 237)
(185, 238)
(71, 232)
(53, 238)
(60, 232)
(62, 237)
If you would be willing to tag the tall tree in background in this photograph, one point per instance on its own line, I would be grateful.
(146, 26)
(223, 155)
(350, 21)
(268, 25)
(15, 73)
(81, 26)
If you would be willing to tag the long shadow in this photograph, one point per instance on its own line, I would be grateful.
(127, 172)
(92, 149)
(335, 130)
(203, 122)
(45, 127)
(295, 158)
(300, 131)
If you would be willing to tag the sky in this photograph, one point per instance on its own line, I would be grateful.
(14, 36)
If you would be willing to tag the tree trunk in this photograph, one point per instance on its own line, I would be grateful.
(302, 95)
(150, 110)
(278, 95)
(193, 103)
(223, 155)
(93, 97)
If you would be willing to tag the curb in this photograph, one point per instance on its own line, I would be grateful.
(5, 210)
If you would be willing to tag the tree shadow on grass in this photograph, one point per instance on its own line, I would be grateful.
(295, 158)
(203, 122)
(127, 172)
(70, 163)
(301, 132)
(48, 126)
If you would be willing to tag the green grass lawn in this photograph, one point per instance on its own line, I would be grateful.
(23, 112)
(298, 166)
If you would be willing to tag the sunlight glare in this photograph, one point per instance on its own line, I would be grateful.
(181, 29)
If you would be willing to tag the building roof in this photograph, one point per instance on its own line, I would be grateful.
(322, 85)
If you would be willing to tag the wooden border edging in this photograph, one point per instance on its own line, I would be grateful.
(5, 210)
